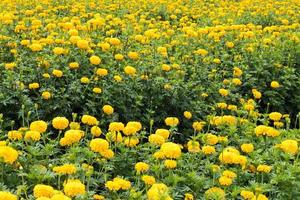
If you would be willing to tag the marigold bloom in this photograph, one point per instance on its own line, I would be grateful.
(158, 191)
(95, 60)
(41, 190)
(73, 188)
(60, 123)
(171, 150)
(7, 196)
(107, 109)
(99, 145)
(171, 121)
(8, 154)
(40, 126)
(141, 167)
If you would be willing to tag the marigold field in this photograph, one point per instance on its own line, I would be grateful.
(149, 99)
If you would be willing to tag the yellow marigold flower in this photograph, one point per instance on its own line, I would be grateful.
(261, 197)
(71, 137)
(74, 126)
(89, 120)
(289, 146)
(211, 139)
(266, 130)
(230, 44)
(247, 148)
(57, 73)
(10, 66)
(114, 41)
(60, 123)
(131, 141)
(101, 72)
(216, 61)
(58, 51)
(114, 136)
(135, 124)
(170, 164)
(256, 94)
(159, 155)
(141, 167)
(133, 55)
(33, 86)
(119, 57)
(98, 197)
(204, 94)
(99, 145)
(59, 197)
(40, 126)
(116, 126)
(188, 196)
(166, 67)
(129, 70)
(236, 81)
(225, 181)
(247, 194)
(7, 196)
(148, 180)
(237, 72)
(170, 150)
(222, 105)
(82, 44)
(229, 174)
(275, 116)
(264, 168)
(97, 90)
(46, 95)
(41, 190)
(215, 193)
(95, 60)
(278, 124)
(46, 75)
(15, 135)
(74, 65)
(32, 135)
(171, 121)
(193, 146)
(65, 169)
(36, 47)
(104, 46)
(73, 188)
(223, 92)
(96, 131)
(208, 149)
(108, 154)
(275, 84)
(232, 107)
(163, 132)
(158, 191)
(112, 186)
(125, 185)
(187, 114)
(202, 52)
(156, 139)
(118, 78)
(85, 80)
(129, 130)
(198, 126)
(226, 81)
(8, 154)
(107, 109)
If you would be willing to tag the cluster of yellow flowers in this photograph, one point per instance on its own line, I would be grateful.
(118, 184)
(200, 73)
